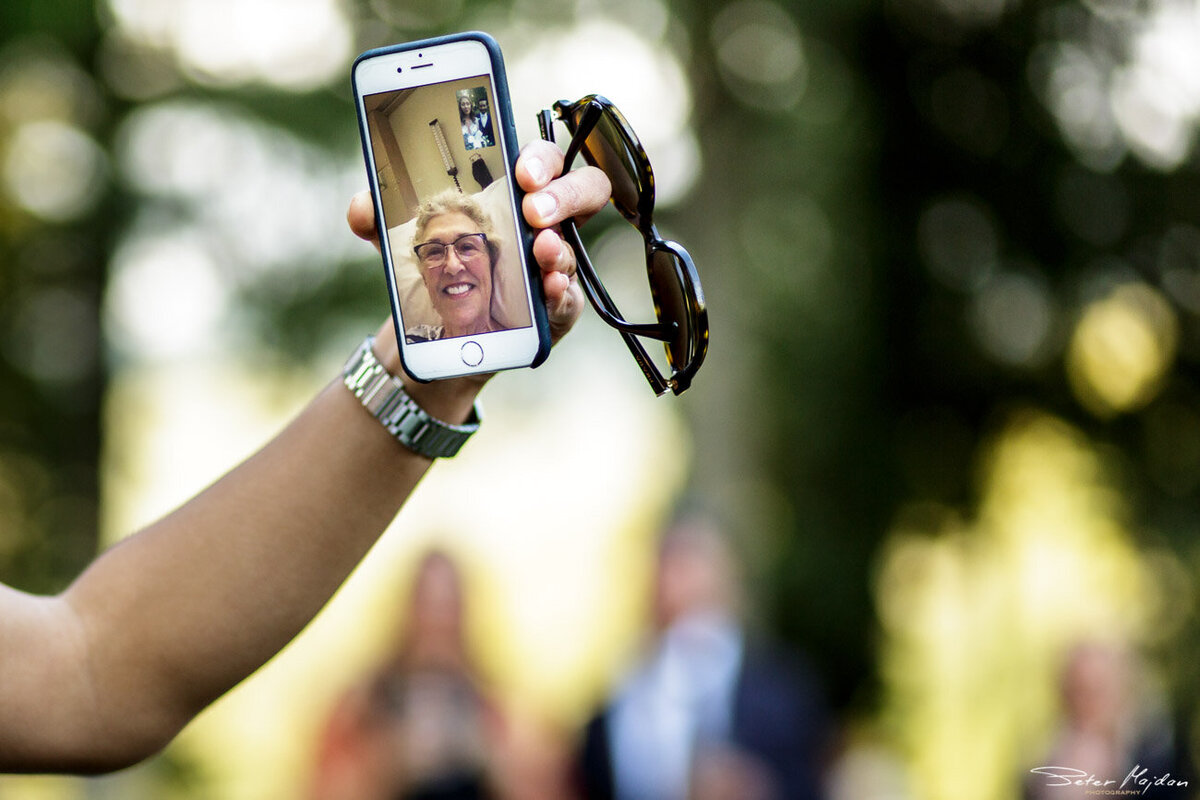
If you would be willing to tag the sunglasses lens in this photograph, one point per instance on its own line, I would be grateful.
(610, 147)
(671, 305)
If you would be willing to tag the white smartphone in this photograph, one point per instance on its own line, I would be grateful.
(440, 145)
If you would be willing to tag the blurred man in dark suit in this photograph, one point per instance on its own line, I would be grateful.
(708, 713)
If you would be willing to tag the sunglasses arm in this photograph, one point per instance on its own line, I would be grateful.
(599, 297)
(545, 119)
(601, 302)
(587, 123)
(663, 332)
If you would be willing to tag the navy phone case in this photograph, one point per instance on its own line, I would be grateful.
(508, 132)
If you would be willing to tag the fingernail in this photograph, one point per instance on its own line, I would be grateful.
(537, 170)
(545, 204)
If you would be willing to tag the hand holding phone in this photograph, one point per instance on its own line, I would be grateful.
(440, 147)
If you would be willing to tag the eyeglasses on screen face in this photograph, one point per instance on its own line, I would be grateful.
(601, 135)
(467, 247)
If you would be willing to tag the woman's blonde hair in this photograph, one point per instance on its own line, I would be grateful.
(451, 201)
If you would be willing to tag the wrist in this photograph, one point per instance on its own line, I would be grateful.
(432, 420)
(387, 351)
(450, 399)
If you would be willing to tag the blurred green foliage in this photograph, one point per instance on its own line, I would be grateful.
(852, 369)
(50, 434)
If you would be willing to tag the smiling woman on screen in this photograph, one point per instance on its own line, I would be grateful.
(458, 260)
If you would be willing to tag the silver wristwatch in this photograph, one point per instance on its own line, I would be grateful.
(383, 395)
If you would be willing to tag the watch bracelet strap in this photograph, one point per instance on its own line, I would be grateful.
(383, 395)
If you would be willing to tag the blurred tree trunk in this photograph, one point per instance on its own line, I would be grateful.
(789, 440)
(52, 274)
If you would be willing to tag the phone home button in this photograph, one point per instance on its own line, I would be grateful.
(472, 354)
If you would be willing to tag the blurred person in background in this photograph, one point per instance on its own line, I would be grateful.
(421, 725)
(1114, 731)
(709, 712)
(106, 673)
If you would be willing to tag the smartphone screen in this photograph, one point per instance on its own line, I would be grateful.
(439, 145)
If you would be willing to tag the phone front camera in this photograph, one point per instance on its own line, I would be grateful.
(399, 69)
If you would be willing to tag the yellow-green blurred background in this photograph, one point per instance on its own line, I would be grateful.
(950, 414)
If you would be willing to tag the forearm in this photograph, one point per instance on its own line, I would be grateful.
(173, 617)
(162, 624)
